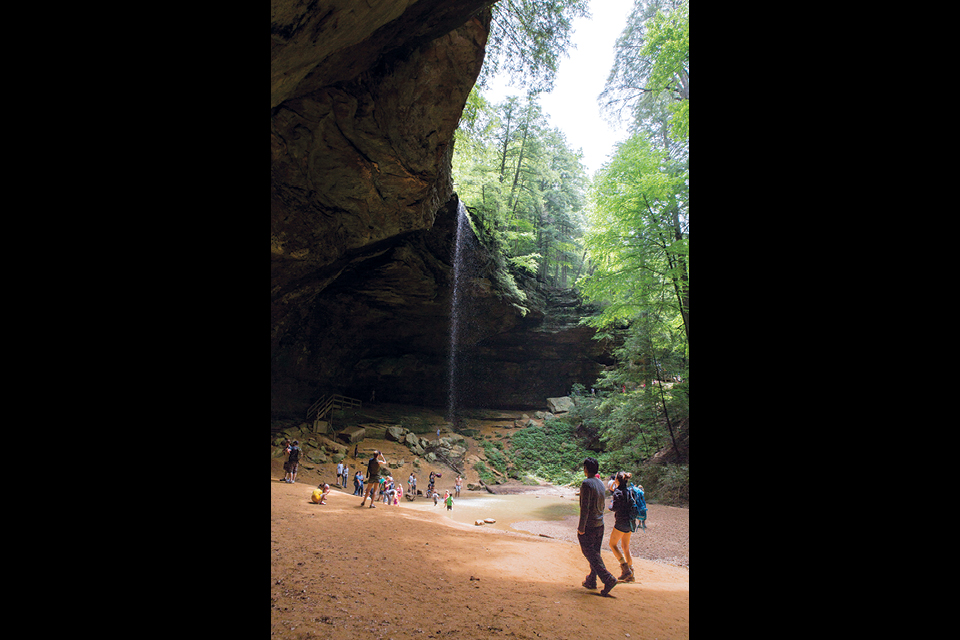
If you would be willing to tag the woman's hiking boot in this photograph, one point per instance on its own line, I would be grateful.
(627, 575)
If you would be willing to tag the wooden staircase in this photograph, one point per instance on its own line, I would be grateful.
(319, 409)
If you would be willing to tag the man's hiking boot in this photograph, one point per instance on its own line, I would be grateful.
(608, 586)
(590, 584)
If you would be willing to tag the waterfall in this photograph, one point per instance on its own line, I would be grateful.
(456, 314)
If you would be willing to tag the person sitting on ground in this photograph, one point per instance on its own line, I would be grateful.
(320, 493)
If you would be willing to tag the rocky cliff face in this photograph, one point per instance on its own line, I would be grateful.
(365, 101)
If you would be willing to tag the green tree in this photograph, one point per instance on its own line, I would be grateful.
(527, 39)
(639, 238)
(650, 79)
(524, 184)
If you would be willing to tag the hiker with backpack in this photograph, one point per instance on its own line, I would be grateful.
(292, 463)
(641, 506)
(626, 511)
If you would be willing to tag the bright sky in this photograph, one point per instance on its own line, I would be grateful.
(572, 105)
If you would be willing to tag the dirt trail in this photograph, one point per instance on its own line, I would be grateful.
(338, 570)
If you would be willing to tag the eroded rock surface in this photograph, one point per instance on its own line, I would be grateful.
(365, 99)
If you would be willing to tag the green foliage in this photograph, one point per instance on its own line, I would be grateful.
(527, 39)
(525, 188)
(650, 78)
(668, 45)
(495, 456)
(552, 452)
(485, 476)
(666, 484)
(638, 239)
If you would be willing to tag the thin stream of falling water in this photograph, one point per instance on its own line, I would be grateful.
(455, 315)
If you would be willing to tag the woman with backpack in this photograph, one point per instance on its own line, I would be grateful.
(625, 524)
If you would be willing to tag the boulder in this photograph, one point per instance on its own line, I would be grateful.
(379, 433)
(411, 439)
(316, 456)
(395, 434)
(331, 446)
(352, 434)
(560, 405)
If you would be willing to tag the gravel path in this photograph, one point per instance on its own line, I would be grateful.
(666, 540)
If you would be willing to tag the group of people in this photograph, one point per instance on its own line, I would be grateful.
(375, 482)
(590, 526)
(630, 511)
(343, 472)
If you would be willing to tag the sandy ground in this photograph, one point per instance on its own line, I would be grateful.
(342, 571)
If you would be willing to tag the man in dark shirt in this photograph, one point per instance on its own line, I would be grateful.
(590, 527)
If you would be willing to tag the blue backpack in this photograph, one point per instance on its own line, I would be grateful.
(638, 506)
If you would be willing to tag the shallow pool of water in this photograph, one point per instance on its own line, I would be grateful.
(506, 510)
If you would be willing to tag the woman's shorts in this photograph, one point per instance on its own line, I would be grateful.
(623, 526)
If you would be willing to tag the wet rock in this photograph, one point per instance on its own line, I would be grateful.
(560, 405)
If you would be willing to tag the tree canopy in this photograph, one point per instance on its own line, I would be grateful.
(649, 84)
(622, 237)
(527, 39)
(525, 186)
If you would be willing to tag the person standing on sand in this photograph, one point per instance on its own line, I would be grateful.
(286, 464)
(590, 527)
(448, 499)
(389, 490)
(373, 477)
(458, 485)
(293, 462)
(623, 527)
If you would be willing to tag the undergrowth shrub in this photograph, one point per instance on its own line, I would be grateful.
(665, 484)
